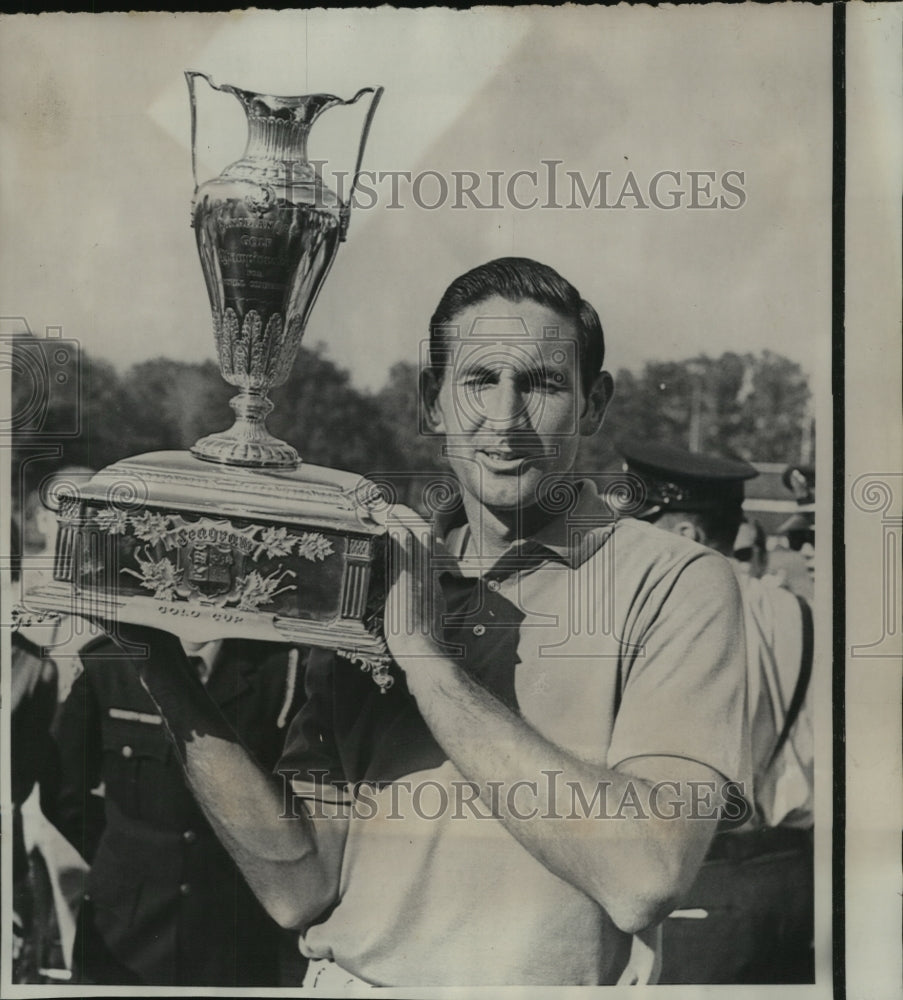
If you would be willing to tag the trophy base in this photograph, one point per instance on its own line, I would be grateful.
(49, 604)
(262, 454)
(248, 444)
(206, 551)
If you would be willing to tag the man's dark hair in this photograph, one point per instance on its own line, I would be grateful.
(721, 526)
(757, 543)
(516, 279)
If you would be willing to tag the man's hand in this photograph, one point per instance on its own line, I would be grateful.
(293, 870)
(415, 605)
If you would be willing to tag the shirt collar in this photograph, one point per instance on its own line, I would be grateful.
(208, 652)
(558, 534)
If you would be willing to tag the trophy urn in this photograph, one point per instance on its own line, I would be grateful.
(239, 537)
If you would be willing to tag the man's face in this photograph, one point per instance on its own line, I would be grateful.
(808, 554)
(511, 404)
(803, 541)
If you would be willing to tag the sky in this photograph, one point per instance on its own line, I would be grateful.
(96, 184)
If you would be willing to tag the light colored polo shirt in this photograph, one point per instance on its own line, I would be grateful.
(783, 788)
(613, 641)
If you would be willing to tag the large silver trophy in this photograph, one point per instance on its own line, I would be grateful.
(239, 538)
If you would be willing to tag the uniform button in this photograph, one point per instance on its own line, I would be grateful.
(493, 585)
(189, 836)
(185, 888)
(479, 629)
(127, 751)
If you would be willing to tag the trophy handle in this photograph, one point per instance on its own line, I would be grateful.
(345, 212)
(190, 75)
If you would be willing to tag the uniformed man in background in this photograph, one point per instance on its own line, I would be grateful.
(33, 685)
(749, 916)
(799, 529)
(166, 906)
(48, 876)
(751, 549)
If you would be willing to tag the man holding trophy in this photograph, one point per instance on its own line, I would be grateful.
(557, 727)
(503, 719)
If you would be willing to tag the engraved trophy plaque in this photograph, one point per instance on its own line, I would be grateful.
(239, 537)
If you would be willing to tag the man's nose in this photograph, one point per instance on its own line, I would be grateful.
(509, 406)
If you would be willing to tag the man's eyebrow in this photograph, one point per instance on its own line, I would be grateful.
(537, 371)
(479, 368)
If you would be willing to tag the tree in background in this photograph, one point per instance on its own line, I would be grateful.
(95, 416)
(750, 406)
(423, 477)
(330, 422)
(753, 407)
(172, 404)
(399, 402)
(62, 414)
(775, 411)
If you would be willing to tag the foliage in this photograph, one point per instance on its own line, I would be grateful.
(753, 407)
(750, 406)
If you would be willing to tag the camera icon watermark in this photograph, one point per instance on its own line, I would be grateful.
(45, 372)
(430, 493)
(502, 380)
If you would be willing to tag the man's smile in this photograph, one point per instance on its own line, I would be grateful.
(502, 460)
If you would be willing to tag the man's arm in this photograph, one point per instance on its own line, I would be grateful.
(637, 864)
(291, 862)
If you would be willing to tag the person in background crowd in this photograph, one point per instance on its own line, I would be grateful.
(749, 916)
(799, 529)
(48, 876)
(33, 679)
(165, 905)
(61, 637)
(64, 638)
(750, 549)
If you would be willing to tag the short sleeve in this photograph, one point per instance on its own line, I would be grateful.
(683, 689)
(310, 761)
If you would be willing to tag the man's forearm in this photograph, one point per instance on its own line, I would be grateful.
(290, 868)
(634, 863)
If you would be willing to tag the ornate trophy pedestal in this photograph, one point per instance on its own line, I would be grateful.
(238, 538)
(212, 551)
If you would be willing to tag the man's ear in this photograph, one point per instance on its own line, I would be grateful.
(597, 400)
(429, 401)
(689, 529)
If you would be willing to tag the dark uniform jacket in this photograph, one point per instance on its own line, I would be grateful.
(166, 906)
(33, 687)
